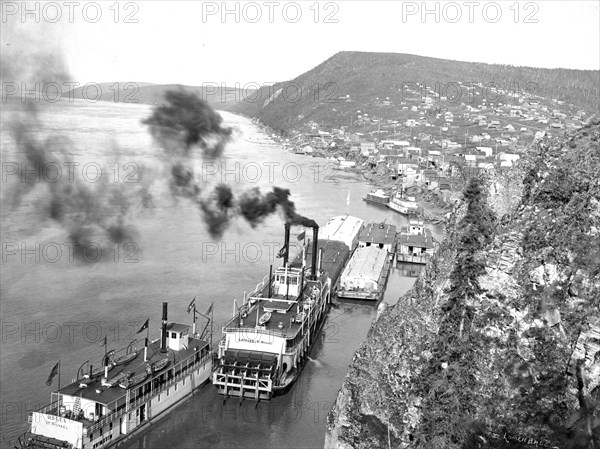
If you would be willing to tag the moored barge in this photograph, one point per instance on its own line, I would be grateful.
(366, 275)
(377, 197)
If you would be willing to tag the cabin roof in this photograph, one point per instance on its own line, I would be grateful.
(107, 394)
(419, 240)
(177, 327)
(378, 233)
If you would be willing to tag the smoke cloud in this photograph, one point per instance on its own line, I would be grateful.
(98, 214)
(184, 122)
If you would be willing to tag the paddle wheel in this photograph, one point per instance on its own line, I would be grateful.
(246, 374)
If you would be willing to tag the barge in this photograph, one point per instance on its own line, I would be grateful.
(103, 407)
(260, 358)
(377, 197)
(366, 275)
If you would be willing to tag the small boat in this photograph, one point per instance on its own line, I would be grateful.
(133, 381)
(378, 197)
(117, 379)
(84, 383)
(160, 364)
(264, 319)
(403, 204)
(126, 358)
(99, 371)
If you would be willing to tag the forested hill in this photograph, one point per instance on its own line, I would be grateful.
(332, 91)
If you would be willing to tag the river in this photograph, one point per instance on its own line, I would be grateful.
(56, 308)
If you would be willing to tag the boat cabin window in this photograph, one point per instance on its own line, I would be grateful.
(292, 280)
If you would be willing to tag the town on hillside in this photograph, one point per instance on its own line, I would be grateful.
(430, 145)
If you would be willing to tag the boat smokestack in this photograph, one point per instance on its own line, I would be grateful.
(287, 244)
(163, 334)
(313, 266)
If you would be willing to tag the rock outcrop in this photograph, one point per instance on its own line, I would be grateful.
(523, 366)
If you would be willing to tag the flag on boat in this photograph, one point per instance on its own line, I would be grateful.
(348, 199)
(281, 252)
(144, 326)
(53, 373)
(302, 235)
(103, 342)
(209, 309)
(191, 306)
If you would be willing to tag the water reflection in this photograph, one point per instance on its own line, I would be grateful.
(412, 270)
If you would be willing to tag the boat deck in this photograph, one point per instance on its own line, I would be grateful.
(284, 322)
(97, 392)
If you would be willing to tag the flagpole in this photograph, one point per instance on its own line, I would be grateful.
(146, 343)
(194, 320)
(211, 326)
(105, 359)
(59, 363)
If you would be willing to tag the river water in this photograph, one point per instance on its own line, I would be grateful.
(58, 308)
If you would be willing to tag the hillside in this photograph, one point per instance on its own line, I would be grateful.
(331, 93)
(498, 343)
(149, 93)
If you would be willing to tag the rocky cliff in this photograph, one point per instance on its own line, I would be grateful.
(498, 343)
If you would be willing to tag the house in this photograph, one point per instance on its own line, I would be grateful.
(404, 164)
(507, 159)
(412, 152)
(367, 148)
(430, 178)
(486, 150)
(471, 159)
(415, 243)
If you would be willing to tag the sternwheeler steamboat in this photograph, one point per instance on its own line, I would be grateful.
(266, 343)
(132, 387)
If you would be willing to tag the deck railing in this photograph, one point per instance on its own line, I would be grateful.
(146, 397)
(53, 407)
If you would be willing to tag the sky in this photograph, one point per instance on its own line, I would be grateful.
(193, 42)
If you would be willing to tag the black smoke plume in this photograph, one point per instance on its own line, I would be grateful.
(97, 214)
(218, 210)
(255, 207)
(185, 121)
